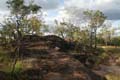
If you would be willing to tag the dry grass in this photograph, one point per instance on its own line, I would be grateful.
(112, 51)
(115, 50)
(113, 77)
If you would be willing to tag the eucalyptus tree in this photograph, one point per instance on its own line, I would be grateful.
(60, 29)
(96, 19)
(107, 33)
(19, 11)
(67, 30)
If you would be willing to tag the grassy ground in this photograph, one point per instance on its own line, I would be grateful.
(110, 52)
(6, 61)
(112, 49)
(114, 52)
(113, 77)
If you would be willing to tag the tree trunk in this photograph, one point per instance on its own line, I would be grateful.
(106, 43)
(18, 44)
(62, 35)
(91, 41)
(95, 32)
(15, 59)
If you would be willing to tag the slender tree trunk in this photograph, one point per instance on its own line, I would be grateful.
(95, 32)
(106, 43)
(17, 50)
(15, 59)
(62, 35)
(91, 41)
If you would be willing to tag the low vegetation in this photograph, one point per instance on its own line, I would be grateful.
(73, 52)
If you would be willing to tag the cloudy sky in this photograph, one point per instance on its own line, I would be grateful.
(59, 9)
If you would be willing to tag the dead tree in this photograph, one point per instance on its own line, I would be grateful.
(18, 36)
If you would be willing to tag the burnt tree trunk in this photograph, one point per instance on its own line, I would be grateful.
(18, 43)
(95, 33)
(91, 38)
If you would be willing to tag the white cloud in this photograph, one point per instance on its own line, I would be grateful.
(72, 8)
(47, 4)
(3, 15)
(3, 5)
(110, 8)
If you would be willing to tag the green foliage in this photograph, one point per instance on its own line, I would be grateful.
(115, 41)
(60, 29)
(18, 67)
(96, 19)
(71, 32)
(7, 32)
(19, 7)
(32, 26)
(23, 25)
(106, 33)
(106, 36)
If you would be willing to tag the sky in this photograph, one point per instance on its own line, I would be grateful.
(69, 9)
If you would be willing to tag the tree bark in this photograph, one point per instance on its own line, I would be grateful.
(15, 59)
(91, 36)
(18, 44)
(95, 32)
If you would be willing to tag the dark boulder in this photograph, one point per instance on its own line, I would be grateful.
(44, 42)
(59, 66)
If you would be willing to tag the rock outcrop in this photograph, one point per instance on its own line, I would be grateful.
(57, 66)
(46, 58)
(44, 42)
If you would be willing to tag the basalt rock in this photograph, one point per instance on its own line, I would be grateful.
(44, 42)
(57, 66)
(48, 59)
